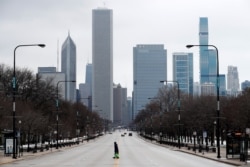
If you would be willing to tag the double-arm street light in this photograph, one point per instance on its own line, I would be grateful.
(14, 95)
(218, 98)
(57, 109)
(179, 111)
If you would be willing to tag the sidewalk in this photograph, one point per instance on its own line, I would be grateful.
(209, 155)
(8, 159)
(213, 156)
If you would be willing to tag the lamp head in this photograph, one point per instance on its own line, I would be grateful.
(42, 45)
(189, 46)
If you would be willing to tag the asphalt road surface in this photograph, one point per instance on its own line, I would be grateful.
(134, 152)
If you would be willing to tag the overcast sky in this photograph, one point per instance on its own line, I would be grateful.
(174, 23)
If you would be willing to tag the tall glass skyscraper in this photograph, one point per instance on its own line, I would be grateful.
(204, 54)
(183, 71)
(102, 59)
(149, 68)
(68, 66)
(222, 84)
(208, 57)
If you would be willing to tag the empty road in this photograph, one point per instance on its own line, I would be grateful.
(134, 152)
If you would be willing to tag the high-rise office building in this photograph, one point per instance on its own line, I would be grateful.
(85, 89)
(149, 68)
(88, 76)
(212, 66)
(102, 61)
(183, 71)
(208, 57)
(49, 75)
(84, 95)
(245, 85)
(129, 111)
(197, 89)
(204, 54)
(120, 105)
(233, 84)
(68, 66)
(208, 89)
(222, 84)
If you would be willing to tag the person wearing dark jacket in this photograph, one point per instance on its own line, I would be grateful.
(116, 150)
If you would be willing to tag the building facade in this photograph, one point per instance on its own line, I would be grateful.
(208, 89)
(49, 75)
(208, 57)
(129, 111)
(183, 71)
(149, 68)
(85, 89)
(68, 67)
(88, 77)
(245, 85)
(102, 62)
(120, 105)
(233, 84)
(46, 69)
(222, 85)
(84, 95)
(204, 54)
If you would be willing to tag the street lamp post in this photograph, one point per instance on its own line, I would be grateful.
(77, 114)
(57, 109)
(179, 111)
(14, 96)
(218, 98)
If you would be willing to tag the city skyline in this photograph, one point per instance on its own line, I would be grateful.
(147, 22)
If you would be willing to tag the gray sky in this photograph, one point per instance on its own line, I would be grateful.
(174, 23)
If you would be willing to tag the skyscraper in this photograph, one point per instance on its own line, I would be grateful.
(233, 84)
(204, 54)
(208, 57)
(84, 95)
(85, 89)
(183, 71)
(88, 76)
(149, 68)
(102, 59)
(68, 66)
(120, 105)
